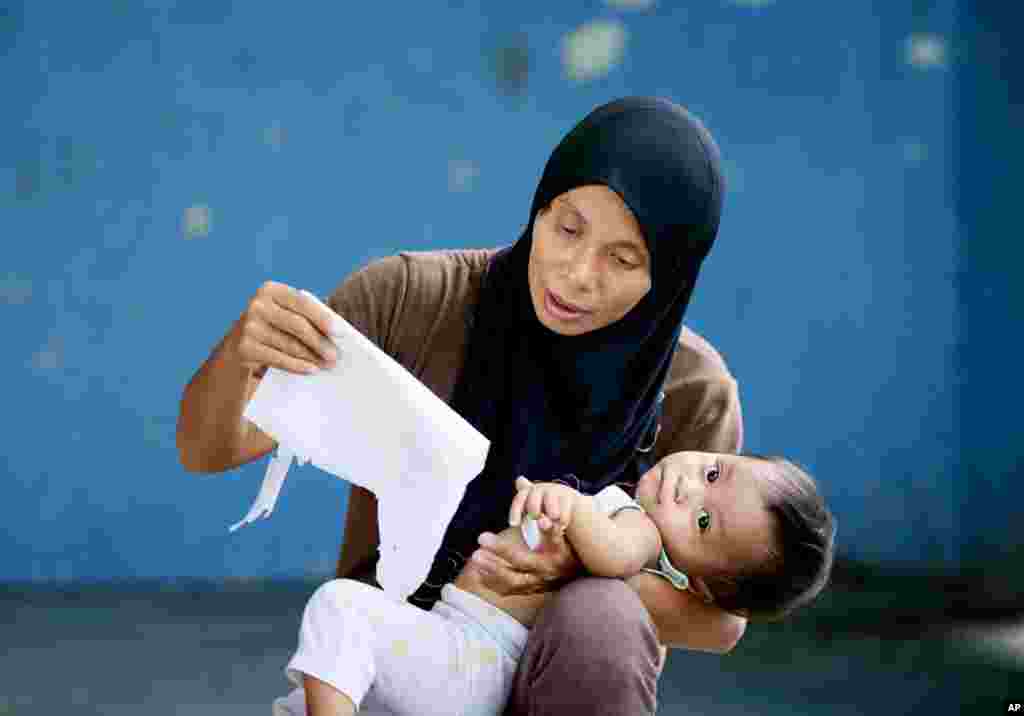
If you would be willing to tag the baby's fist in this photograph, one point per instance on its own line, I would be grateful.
(550, 503)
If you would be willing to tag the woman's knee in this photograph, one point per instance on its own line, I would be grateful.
(594, 640)
(599, 610)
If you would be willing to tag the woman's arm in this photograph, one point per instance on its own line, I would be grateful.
(683, 620)
(212, 435)
(280, 328)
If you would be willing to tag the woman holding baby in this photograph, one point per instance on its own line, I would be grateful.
(567, 350)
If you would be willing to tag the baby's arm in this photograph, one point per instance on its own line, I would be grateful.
(616, 546)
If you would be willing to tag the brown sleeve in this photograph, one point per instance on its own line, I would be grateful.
(702, 406)
(371, 299)
(414, 306)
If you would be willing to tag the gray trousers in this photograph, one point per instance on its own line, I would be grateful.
(593, 650)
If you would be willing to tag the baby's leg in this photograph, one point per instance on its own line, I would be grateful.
(355, 638)
(322, 699)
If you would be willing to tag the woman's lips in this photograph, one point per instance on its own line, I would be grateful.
(564, 313)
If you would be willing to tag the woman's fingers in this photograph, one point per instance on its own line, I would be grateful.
(295, 301)
(504, 580)
(514, 554)
(489, 561)
(284, 343)
(301, 326)
(522, 570)
(264, 355)
(519, 557)
(285, 329)
(498, 573)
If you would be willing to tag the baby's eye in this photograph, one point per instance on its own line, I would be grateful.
(713, 473)
(703, 520)
(571, 230)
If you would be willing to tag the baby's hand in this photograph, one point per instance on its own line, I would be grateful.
(550, 503)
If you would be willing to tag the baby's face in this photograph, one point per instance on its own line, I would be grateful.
(710, 510)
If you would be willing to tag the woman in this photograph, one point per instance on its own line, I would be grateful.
(567, 351)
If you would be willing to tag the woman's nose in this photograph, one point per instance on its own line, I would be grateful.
(582, 271)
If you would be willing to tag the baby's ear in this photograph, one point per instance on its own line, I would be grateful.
(700, 588)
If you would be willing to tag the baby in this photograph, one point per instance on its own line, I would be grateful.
(749, 533)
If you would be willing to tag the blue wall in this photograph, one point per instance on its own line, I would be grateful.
(322, 136)
(989, 166)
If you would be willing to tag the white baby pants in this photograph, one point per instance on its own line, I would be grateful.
(391, 657)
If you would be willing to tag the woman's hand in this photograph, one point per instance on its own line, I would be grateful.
(283, 329)
(509, 568)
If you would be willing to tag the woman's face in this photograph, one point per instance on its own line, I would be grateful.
(710, 510)
(588, 254)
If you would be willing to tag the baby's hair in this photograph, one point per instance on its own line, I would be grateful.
(801, 560)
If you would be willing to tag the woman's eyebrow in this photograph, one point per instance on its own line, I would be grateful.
(574, 209)
(639, 246)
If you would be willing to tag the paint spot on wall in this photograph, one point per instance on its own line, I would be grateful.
(926, 51)
(914, 152)
(12, 22)
(198, 222)
(462, 175)
(27, 179)
(49, 358)
(15, 291)
(512, 66)
(159, 432)
(593, 50)
(274, 136)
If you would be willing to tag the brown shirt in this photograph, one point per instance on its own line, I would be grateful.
(416, 306)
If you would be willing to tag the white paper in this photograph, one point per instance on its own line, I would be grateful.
(371, 422)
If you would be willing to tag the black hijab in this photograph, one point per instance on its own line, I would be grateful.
(555, 406)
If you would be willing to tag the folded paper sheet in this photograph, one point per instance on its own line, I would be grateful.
(371, 422)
